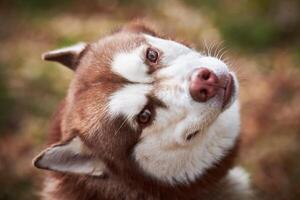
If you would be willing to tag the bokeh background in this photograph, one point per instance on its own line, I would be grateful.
(260, 39)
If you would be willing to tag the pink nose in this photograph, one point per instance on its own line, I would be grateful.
(203, 85)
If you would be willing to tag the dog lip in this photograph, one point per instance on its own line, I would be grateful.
(192, 135)
(229, 87)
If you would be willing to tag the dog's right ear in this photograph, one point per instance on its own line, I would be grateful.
(71, 156)
(68, 56)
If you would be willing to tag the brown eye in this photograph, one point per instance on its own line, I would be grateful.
(144, 117)
(152, 55)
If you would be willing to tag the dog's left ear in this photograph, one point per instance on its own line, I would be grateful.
(70, 157)
(68, 56)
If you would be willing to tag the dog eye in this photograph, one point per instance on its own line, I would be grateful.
(144, 117)
(152, 55)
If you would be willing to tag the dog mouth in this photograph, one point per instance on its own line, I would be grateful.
(228, 91)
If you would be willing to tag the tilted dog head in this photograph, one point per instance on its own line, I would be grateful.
(140, 102)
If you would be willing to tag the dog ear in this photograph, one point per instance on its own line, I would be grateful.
(70, 157)
(68, 56)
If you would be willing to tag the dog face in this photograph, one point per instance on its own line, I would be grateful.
(139, 101)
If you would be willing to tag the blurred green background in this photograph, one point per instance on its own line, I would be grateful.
(261, 39)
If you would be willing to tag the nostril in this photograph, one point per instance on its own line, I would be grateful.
(204, 74)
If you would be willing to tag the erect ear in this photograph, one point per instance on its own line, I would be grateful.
(68, 56)
(70, 157)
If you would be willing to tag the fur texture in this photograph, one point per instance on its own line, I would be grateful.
(98, 148)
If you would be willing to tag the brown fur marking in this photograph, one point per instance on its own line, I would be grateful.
(82, 113)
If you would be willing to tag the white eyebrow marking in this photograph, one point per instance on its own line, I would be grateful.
(131, 66)
(129, 100)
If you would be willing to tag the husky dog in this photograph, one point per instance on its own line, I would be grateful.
(145, 117)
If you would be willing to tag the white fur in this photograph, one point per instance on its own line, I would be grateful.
(239, 176)
(129, 100)
(164, 151)
(131, 66)
(186, 163)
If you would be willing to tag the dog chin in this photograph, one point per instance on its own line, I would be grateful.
(201, 128)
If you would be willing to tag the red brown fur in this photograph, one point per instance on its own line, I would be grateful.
(92, 83)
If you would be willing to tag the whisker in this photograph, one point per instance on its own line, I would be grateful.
(205, 47)
(210, 48)
(217, 47)
(224, 52)
(220, 51)
(125, 120)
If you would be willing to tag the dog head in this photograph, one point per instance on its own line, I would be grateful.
(143, 102)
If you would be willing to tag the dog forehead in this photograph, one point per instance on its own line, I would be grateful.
(100, 54)
(95, 66)
(124, 40)
(122, 53)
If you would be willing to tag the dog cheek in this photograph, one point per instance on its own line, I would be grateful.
(114, 139)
